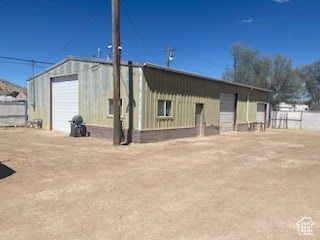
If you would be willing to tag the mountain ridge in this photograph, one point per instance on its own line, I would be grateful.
(7, 87)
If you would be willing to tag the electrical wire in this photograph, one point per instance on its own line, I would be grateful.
(72, 39)
(25, 60)
(201, 59)
(184, 67)
(10, 62)
(139, 34)
(150, 52)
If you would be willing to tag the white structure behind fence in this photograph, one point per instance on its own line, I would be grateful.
(295, 120)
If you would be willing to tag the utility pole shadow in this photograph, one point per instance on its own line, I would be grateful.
(5, 171)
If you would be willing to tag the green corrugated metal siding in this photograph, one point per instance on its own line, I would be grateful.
(38, 93)
(95, 88)
(185, 91)
(255, 98)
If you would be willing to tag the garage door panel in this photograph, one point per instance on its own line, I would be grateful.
(260, 117)
(226, 115)
(65, 102)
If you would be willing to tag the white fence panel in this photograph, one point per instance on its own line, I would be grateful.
(13, 114)
(311, 121)
(295, 120)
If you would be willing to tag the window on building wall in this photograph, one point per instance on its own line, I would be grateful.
(111, 107)
(164, 108)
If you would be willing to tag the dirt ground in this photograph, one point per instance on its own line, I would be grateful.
(233, 186)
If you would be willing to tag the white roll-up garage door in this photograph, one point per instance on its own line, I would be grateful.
(226, 115)
(260, 117)
(65, 102)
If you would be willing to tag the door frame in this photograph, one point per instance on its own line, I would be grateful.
(265, 111)
(200, 131)
(235, 109)
(235, 119)
(52, 80)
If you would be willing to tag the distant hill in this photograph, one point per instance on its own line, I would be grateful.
(9, 88)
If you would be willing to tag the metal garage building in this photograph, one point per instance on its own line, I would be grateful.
(158, 103)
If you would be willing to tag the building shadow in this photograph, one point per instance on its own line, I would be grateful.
(5, 171)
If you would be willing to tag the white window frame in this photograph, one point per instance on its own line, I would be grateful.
(109, 107)
(165, 104)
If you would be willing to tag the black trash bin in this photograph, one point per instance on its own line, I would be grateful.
(78, 129)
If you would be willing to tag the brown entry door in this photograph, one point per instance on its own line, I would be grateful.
(199, 118)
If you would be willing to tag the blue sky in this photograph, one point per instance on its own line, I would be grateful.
(201, 31)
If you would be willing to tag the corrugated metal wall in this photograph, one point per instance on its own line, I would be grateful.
(185, 91)
(95, 88)
(38, 99)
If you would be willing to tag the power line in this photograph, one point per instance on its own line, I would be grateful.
(169, 53)
(72, 39)
(11, 62)
(23, 63)
(139, 34)
(190, 69)
(25, 60)
(32, 62)
(201, 59)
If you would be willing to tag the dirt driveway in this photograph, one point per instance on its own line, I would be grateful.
(236, 186)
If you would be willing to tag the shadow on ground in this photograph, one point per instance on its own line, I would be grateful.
(5, 171)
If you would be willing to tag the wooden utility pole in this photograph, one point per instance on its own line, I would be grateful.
(116, 71)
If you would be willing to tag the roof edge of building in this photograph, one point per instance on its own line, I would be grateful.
(146, 64)
(82, 59)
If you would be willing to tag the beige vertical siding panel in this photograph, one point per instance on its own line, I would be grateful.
(99, 96)
(91, 116)
(30, 110)
(109, 120)
(136, 97)
(61, 69)
(146, 111)
(77, 67)
(148, 107)
(124, 93)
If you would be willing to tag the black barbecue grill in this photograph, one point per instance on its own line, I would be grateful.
(77, 119)
(78, 129)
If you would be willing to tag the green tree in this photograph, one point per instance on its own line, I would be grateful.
(248, 68)
(262, 72)
(311, 77)
(243, 63)
(286, 84)
(280, 83)
(276, 74)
